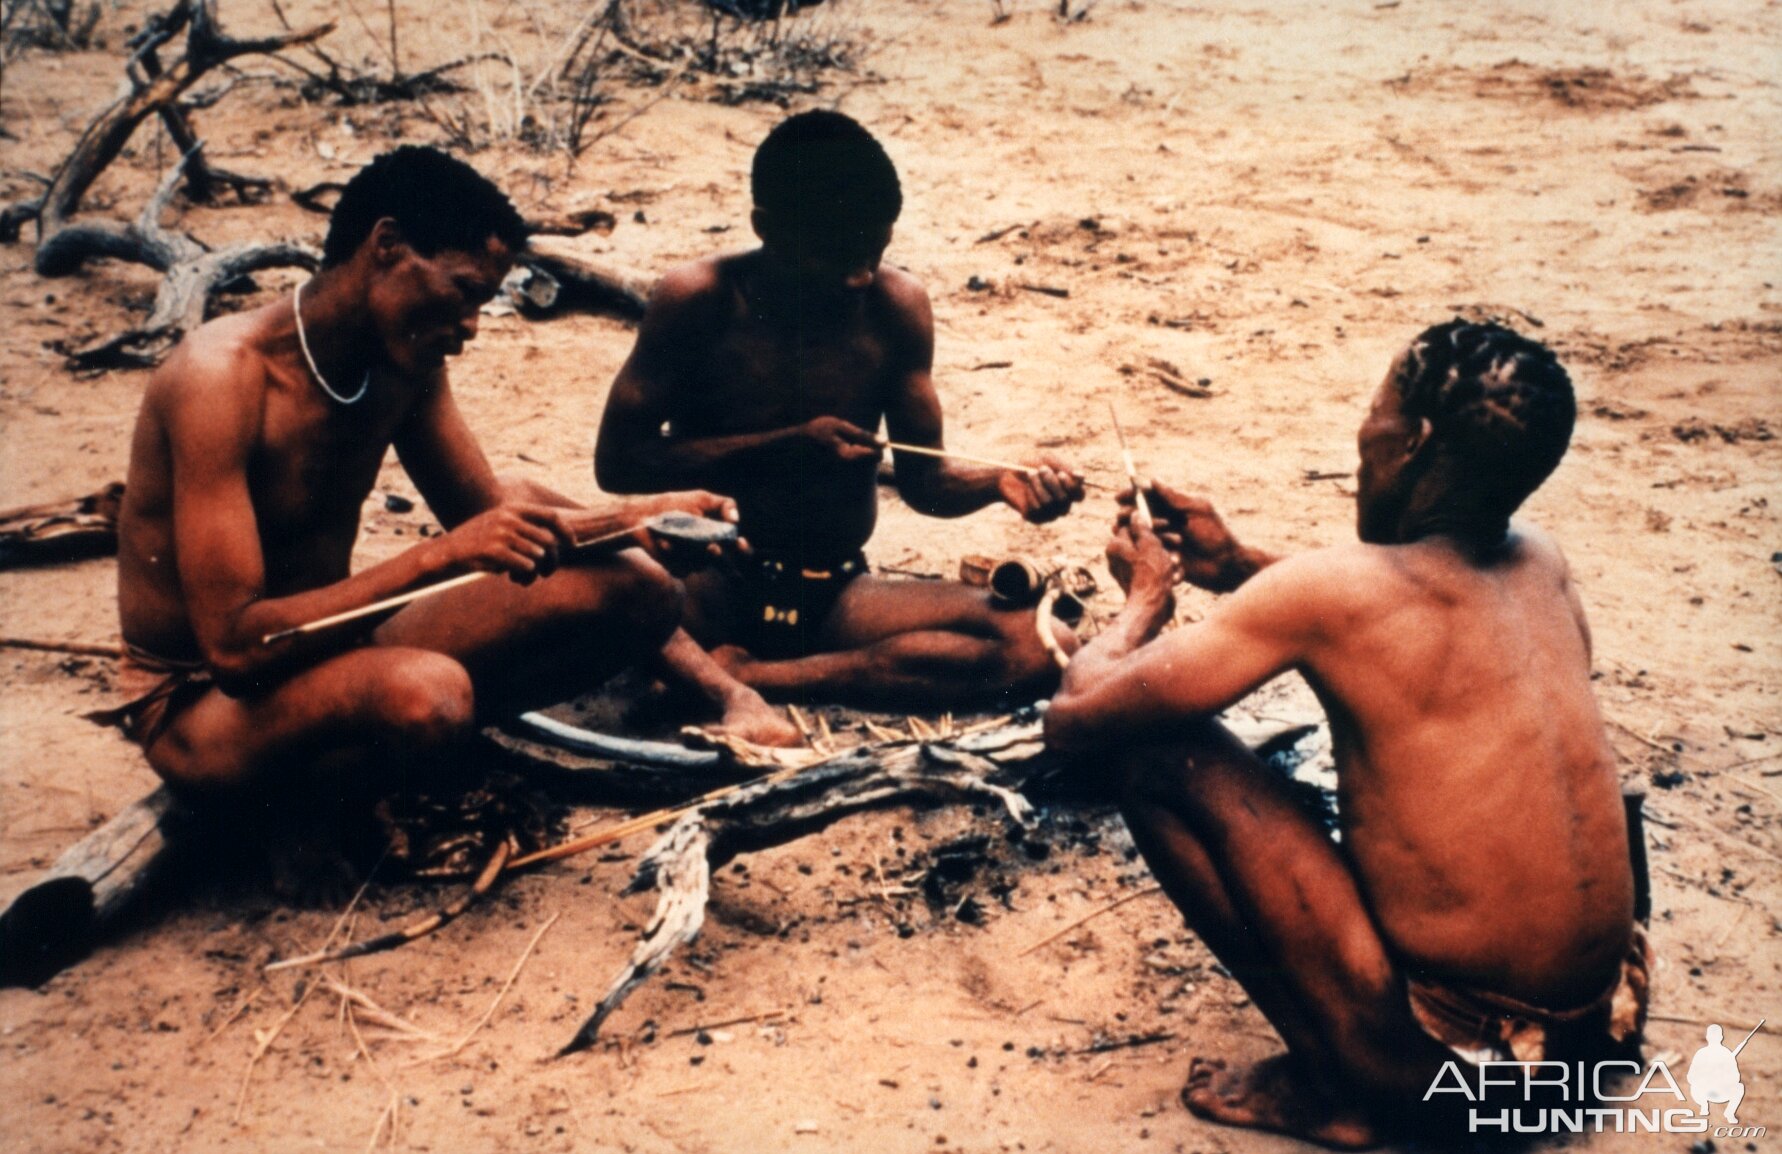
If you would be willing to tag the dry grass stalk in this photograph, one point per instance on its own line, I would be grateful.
(512, 976)
(362, 1004)
(1085, 920)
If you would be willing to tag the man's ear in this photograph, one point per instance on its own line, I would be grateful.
(761, 223)
(388, 245)
(1419, 439)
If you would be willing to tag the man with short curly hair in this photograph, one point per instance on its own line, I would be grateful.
(256, 446)
(1480, 903)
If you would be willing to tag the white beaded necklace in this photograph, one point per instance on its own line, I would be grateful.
(303, 343)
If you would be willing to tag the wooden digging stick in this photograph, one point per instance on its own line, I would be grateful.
(675, 526)
(1141, 512)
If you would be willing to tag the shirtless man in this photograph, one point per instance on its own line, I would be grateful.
(1480, 902)
(257, 443)
(765, 376)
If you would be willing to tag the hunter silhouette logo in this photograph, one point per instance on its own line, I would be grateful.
(1714, 1072)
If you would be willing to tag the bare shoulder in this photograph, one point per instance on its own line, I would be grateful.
(215, 379)
(1541, 562)
(1537, 545)
(1325, 589)
(686, 287)
(904, 296)
(1345, 571)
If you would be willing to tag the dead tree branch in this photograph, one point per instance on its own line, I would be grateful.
(206, 47)
(556, 279)
(192, 271)
(191, 274)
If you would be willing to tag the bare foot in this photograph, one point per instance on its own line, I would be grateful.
(1270, 1096)
(748, 716)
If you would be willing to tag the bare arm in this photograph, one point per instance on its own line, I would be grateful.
(631, 454)
(211, 414)
(1130, 685)
(453, 474)
(940, 487)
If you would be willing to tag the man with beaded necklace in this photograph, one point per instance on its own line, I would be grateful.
(257, 443)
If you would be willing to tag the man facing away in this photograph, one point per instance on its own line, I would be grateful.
(256, 445)
(1480, 902)
(764, 376)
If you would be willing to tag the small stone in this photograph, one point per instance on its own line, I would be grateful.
(805, 1127)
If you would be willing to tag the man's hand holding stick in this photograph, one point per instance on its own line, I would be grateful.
(527, 542)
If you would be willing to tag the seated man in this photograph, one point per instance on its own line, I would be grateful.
(764, 376)
(258, 442)
(1481, 900)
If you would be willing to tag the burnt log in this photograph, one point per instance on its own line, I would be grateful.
(553, 279)
(87, 892)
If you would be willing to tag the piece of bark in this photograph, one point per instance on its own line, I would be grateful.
(86, 893)
(62, 530)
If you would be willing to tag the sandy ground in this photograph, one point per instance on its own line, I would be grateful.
(1270, 197)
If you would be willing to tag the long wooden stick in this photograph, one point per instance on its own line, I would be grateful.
(925, 451)
(492, 871)
(1082, 921)
(82, 648)
(1141, 512)
(992, 462)
(402, 599)
(395, 602)
(1749, 1036)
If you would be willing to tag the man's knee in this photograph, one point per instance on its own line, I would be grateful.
(426, 699)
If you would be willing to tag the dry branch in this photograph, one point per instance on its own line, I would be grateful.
(191, 274)
(556, 279)
(206, 47)
(774, 812)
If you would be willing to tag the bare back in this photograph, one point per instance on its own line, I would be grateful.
(1479, 796)
(1480, 806)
